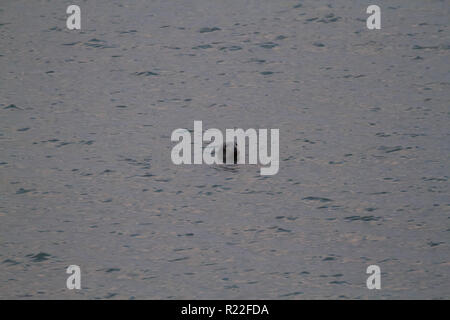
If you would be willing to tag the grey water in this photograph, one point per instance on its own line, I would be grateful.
(86, 176)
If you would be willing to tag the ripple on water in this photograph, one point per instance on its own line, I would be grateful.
(41, 256)
(146, 73)
(97, 43)
(22, 191)
(362, 218)
(10, 262)
(268, 45)
(203, 46)
(12, 107)
(206, 29)
(291, 294)
(311, 198)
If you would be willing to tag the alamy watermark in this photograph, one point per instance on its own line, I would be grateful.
(74, 280)
(230, 151)
(73, 22)
(374, 280)
(373, 22)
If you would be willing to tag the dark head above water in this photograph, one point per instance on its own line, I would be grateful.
(227, 152)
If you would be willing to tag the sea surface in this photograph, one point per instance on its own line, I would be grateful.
(86, 176)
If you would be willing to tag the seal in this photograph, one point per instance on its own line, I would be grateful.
(229, 153)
